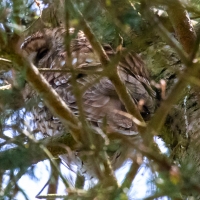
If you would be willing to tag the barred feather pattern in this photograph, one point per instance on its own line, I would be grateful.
(101, 103)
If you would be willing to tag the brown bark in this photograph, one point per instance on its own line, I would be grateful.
(182, 25)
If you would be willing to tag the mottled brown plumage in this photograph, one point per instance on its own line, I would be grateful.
(46, 49)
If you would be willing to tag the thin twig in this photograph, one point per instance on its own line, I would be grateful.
(89, 137)
(113, 75)
(130, 175)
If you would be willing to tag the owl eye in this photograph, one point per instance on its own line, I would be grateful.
(41, 53)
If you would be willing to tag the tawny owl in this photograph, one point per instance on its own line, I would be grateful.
(46, 49)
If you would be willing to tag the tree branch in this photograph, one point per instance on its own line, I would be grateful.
(54, 102)
(113, 75)
(182, 25)
(159, 118)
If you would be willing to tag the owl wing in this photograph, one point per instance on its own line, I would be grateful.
(100, 100)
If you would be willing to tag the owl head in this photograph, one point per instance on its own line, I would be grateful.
(47, 47)
(42, 47)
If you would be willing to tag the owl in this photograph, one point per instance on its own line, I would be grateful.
(101, 104)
